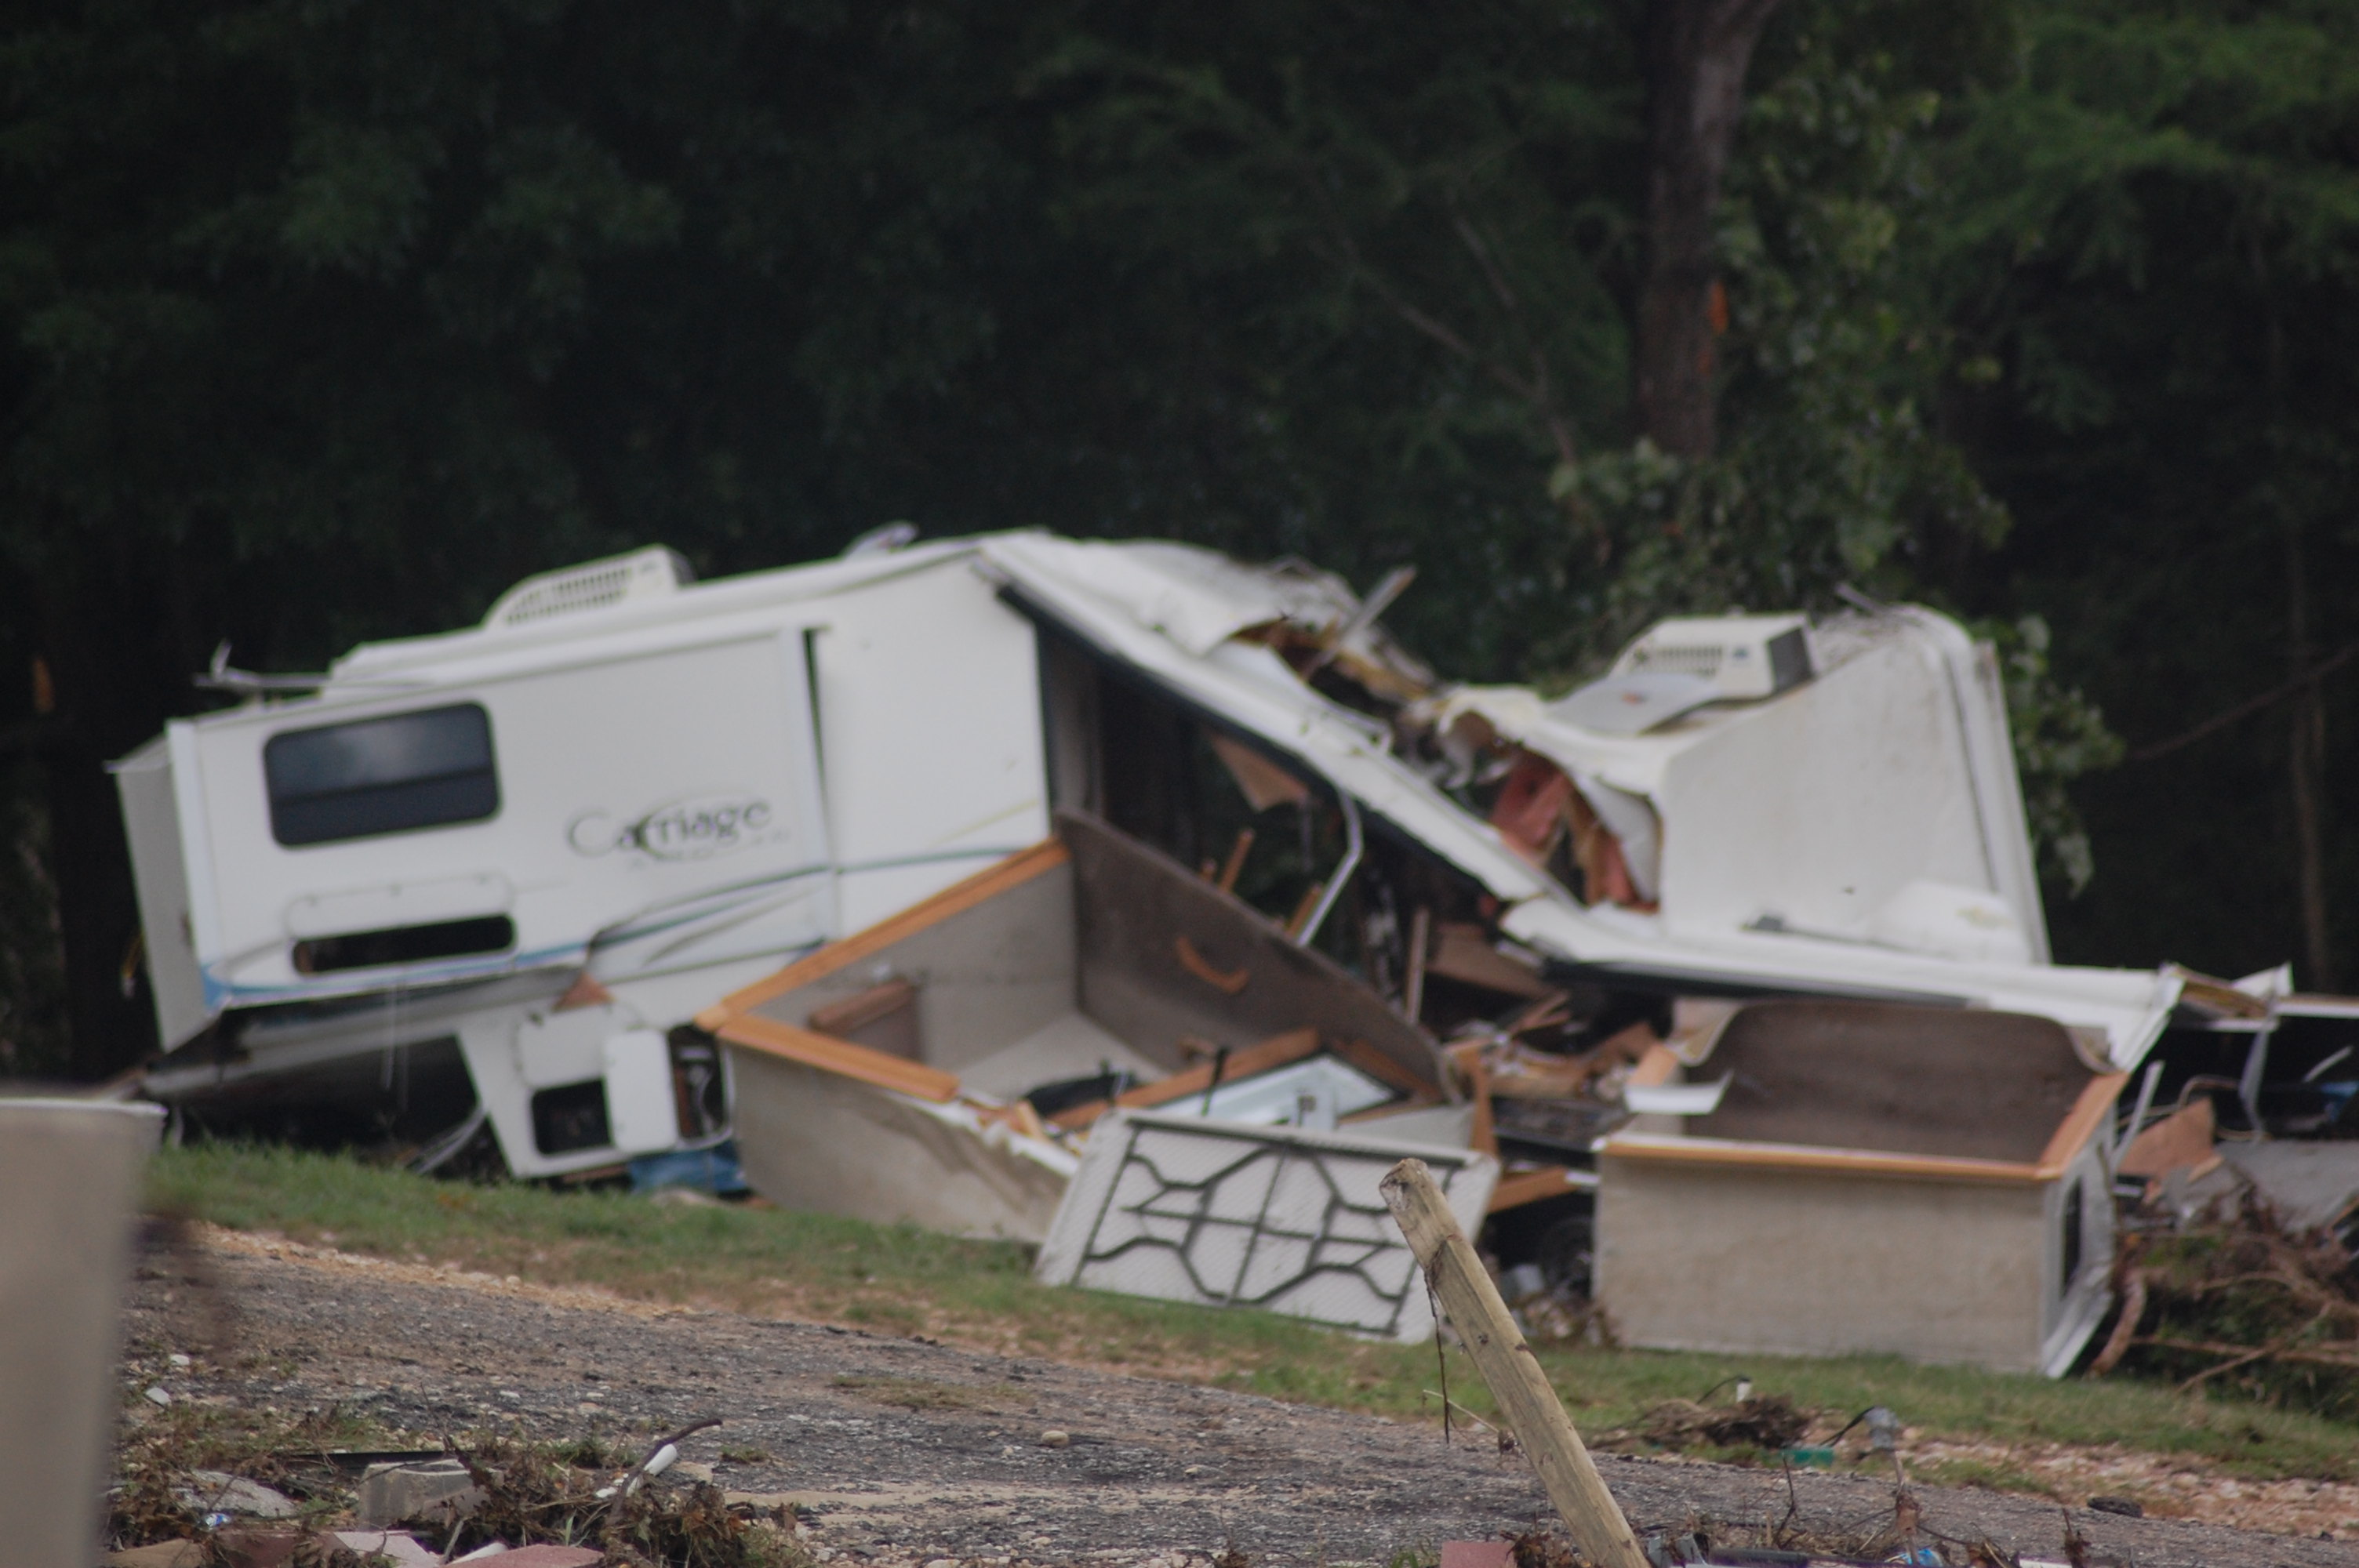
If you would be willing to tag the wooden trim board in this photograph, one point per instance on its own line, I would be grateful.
(1674, 1150)
(1521, 1187)
(754, 1032)
(2081, 1123)
(1381, 1068)
(1655, 1066)
(956, 898)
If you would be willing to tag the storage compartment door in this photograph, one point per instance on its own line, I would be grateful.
(143, 782)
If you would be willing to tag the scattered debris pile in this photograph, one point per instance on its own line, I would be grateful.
(2236, 1265)
(291, 1497)
(1742, 1429)
(2236, 1296)
(573, 1495)
(1765, 1421)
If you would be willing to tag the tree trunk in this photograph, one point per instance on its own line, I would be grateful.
(88, 621)
(2306, 767)
(1697, 52)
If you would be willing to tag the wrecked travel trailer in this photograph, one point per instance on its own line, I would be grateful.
(1874, 805)
(483, 883)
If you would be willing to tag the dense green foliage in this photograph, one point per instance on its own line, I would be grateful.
(2150, 242)
(328, 320)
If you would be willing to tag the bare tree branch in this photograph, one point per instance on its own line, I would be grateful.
(2250, 706)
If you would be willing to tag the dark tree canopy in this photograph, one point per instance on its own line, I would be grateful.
(323, 321)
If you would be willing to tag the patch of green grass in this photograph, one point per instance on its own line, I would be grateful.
(910, 1281)
(1987, 1475)
(925, 1394)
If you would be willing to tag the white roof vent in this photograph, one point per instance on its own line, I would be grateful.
(651, 573)
(1742, 655)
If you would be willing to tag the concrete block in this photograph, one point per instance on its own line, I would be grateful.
(438, 1491)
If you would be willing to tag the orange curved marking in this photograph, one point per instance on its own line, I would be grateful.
(1230, 981)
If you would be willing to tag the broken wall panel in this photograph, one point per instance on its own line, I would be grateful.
(1087, 954)
(1913, 1080)
(1278, 1218)
(814, 1139)
(1926, 1183)
(1744, 1260)
(1165, 953)
(990, 966)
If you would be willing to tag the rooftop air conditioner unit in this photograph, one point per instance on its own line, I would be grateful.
(1742, 655)
(594, 585)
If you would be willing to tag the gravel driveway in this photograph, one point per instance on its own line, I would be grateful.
(907, 1451)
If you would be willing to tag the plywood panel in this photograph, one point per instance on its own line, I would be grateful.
(822, 1143)
(1135, 907)
(988, 974)
(1954, 1082)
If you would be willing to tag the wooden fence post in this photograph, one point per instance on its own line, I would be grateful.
(1530, 1406)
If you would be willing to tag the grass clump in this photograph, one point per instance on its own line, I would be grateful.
(902, 1279)
(924, 1394)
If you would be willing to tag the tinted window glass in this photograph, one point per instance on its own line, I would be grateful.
(405, 945)
(570, 1116)
(381, 775)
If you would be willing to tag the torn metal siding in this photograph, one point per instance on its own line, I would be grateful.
(1824, 809)
(1055, 578)
(1260, 697)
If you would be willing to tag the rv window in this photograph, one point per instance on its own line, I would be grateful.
(404, 944)
(381, 775)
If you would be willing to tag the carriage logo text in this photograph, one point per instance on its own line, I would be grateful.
(695, 830)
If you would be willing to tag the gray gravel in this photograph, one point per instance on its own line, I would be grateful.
(1153, 1469)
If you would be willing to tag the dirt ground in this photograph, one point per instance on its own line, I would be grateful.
(905, 1451)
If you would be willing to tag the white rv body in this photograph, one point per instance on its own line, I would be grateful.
(691, 784)
(1875, 803)
(695, 782)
